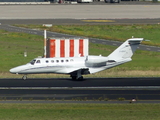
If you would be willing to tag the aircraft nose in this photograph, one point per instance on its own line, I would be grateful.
(18, 70)
(13, 70)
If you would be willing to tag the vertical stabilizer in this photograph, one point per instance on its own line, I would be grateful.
(126, 50)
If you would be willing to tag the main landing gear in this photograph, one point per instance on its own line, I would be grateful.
(77, 75)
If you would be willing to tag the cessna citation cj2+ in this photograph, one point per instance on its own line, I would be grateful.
(78, 66)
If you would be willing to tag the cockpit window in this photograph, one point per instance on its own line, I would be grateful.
(32, 62)
(38, 61)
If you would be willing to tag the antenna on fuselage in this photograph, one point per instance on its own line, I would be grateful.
(45, 39)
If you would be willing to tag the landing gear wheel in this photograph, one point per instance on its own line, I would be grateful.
(73, 77)
(80, 78)
(24, 77)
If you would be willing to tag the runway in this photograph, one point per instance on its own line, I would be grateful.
(87, 82)
(90, 89)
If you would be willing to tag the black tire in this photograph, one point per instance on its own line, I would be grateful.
(80, 78)
(73, 77)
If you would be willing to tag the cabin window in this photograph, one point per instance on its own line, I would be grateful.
(47, 61)
(71, 60)
(32, 62)
(38, 61)
(57, 61)
(67, 60)
(52, 61)
(62, 60)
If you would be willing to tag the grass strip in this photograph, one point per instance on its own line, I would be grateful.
(79, 111)
(109, 32)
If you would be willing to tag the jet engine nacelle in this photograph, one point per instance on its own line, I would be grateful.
(96, 61)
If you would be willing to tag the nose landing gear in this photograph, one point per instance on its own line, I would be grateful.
(24, 77)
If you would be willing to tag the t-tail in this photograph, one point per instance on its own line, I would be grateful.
(126, 50)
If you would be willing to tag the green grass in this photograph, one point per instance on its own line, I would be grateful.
(13, 45)
(79, 111)
(110, 32)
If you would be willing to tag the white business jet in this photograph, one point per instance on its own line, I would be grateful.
(78, 66)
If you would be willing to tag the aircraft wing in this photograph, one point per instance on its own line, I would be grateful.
(82, 71)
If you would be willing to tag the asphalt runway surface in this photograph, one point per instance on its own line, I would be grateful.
(88, 21)
(87, 82)
(90, 89)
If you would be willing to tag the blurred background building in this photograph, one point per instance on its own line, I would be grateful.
(23, 0)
